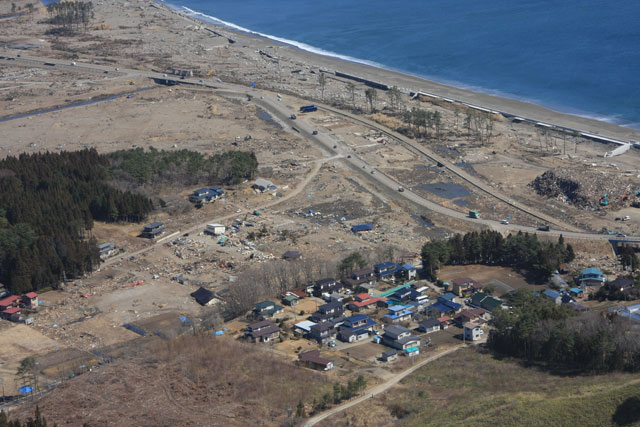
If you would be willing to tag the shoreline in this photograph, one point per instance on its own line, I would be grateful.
(374, 72)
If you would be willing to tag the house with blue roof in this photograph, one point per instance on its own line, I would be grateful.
(358, 228)
(553, 296)
(356, 328)
(406, 271)
(590, 277)
(444, 306)
(205, 195)
(386, 271)
(399, 313)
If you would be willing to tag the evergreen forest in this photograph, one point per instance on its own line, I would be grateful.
(522, 251)
(49, 201)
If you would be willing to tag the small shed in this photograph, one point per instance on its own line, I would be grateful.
(215, 229)
(389, 355)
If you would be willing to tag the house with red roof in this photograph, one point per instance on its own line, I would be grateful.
(30, 299)
(363, 301)
(8, 302)
(11, 313)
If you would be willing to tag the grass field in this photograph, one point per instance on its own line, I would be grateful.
(474, 389)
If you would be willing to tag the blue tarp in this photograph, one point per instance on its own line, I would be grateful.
(25, 389)
(362, 227)
(135, 329)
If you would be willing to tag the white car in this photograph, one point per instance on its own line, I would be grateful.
(504, 221)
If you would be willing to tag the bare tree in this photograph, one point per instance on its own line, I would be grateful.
(322, 82)
(372, 96)
(394, 95)
(351, 89)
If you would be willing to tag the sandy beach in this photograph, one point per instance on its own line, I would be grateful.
(150, 35)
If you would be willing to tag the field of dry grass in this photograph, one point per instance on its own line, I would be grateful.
(474, 389)
(192, 380)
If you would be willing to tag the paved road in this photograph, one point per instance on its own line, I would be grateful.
(328, 142)
(479, 184)
(379, 388)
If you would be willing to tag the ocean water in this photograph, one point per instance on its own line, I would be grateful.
(580, 57)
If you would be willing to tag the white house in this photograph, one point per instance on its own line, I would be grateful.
(472, 331)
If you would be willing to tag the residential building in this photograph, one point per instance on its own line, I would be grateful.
(385, 271)
(474, 315)
(464, 286)
(262, 185)
(590, 277)
(486, 301)
(267, 309)
(328, 311)
(263, 331)
(30, 299)
(389, 355)
(356, 327)
(323, 332)
(552, 295)
(429, 325)
(11, 313)
(10, 301)
(577, 292)
(290, 299)
(398, 313)
(205, 195)
(364, 301)
(445, 321)
(399, 338)
(152, 230)
(360, 278)
(472, 332)
(406, 272)
(326, 286)
(303, 328)
(106, 249)
(631, 312)
(445, 305)
(313, 360)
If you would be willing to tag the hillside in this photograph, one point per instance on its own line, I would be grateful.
(474, 389)
(192, 380)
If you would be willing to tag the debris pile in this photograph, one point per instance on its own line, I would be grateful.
(585, 189)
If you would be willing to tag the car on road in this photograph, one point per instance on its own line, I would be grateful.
(544, 228)
(621, 235)
(73, 64)
(364, 166)
(348, 156)
(504, 221)
(315, 132)
(292, 117)
(335, 145)
(372, 172)
(401, 189)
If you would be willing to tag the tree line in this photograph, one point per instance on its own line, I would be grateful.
(71, 14)
(37, 421)
(137, 167)
(539, 331)
(521, 251)
(48, 202)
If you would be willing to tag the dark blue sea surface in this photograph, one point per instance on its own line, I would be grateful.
(580, 57)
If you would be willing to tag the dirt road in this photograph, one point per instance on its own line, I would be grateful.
(378, 389)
